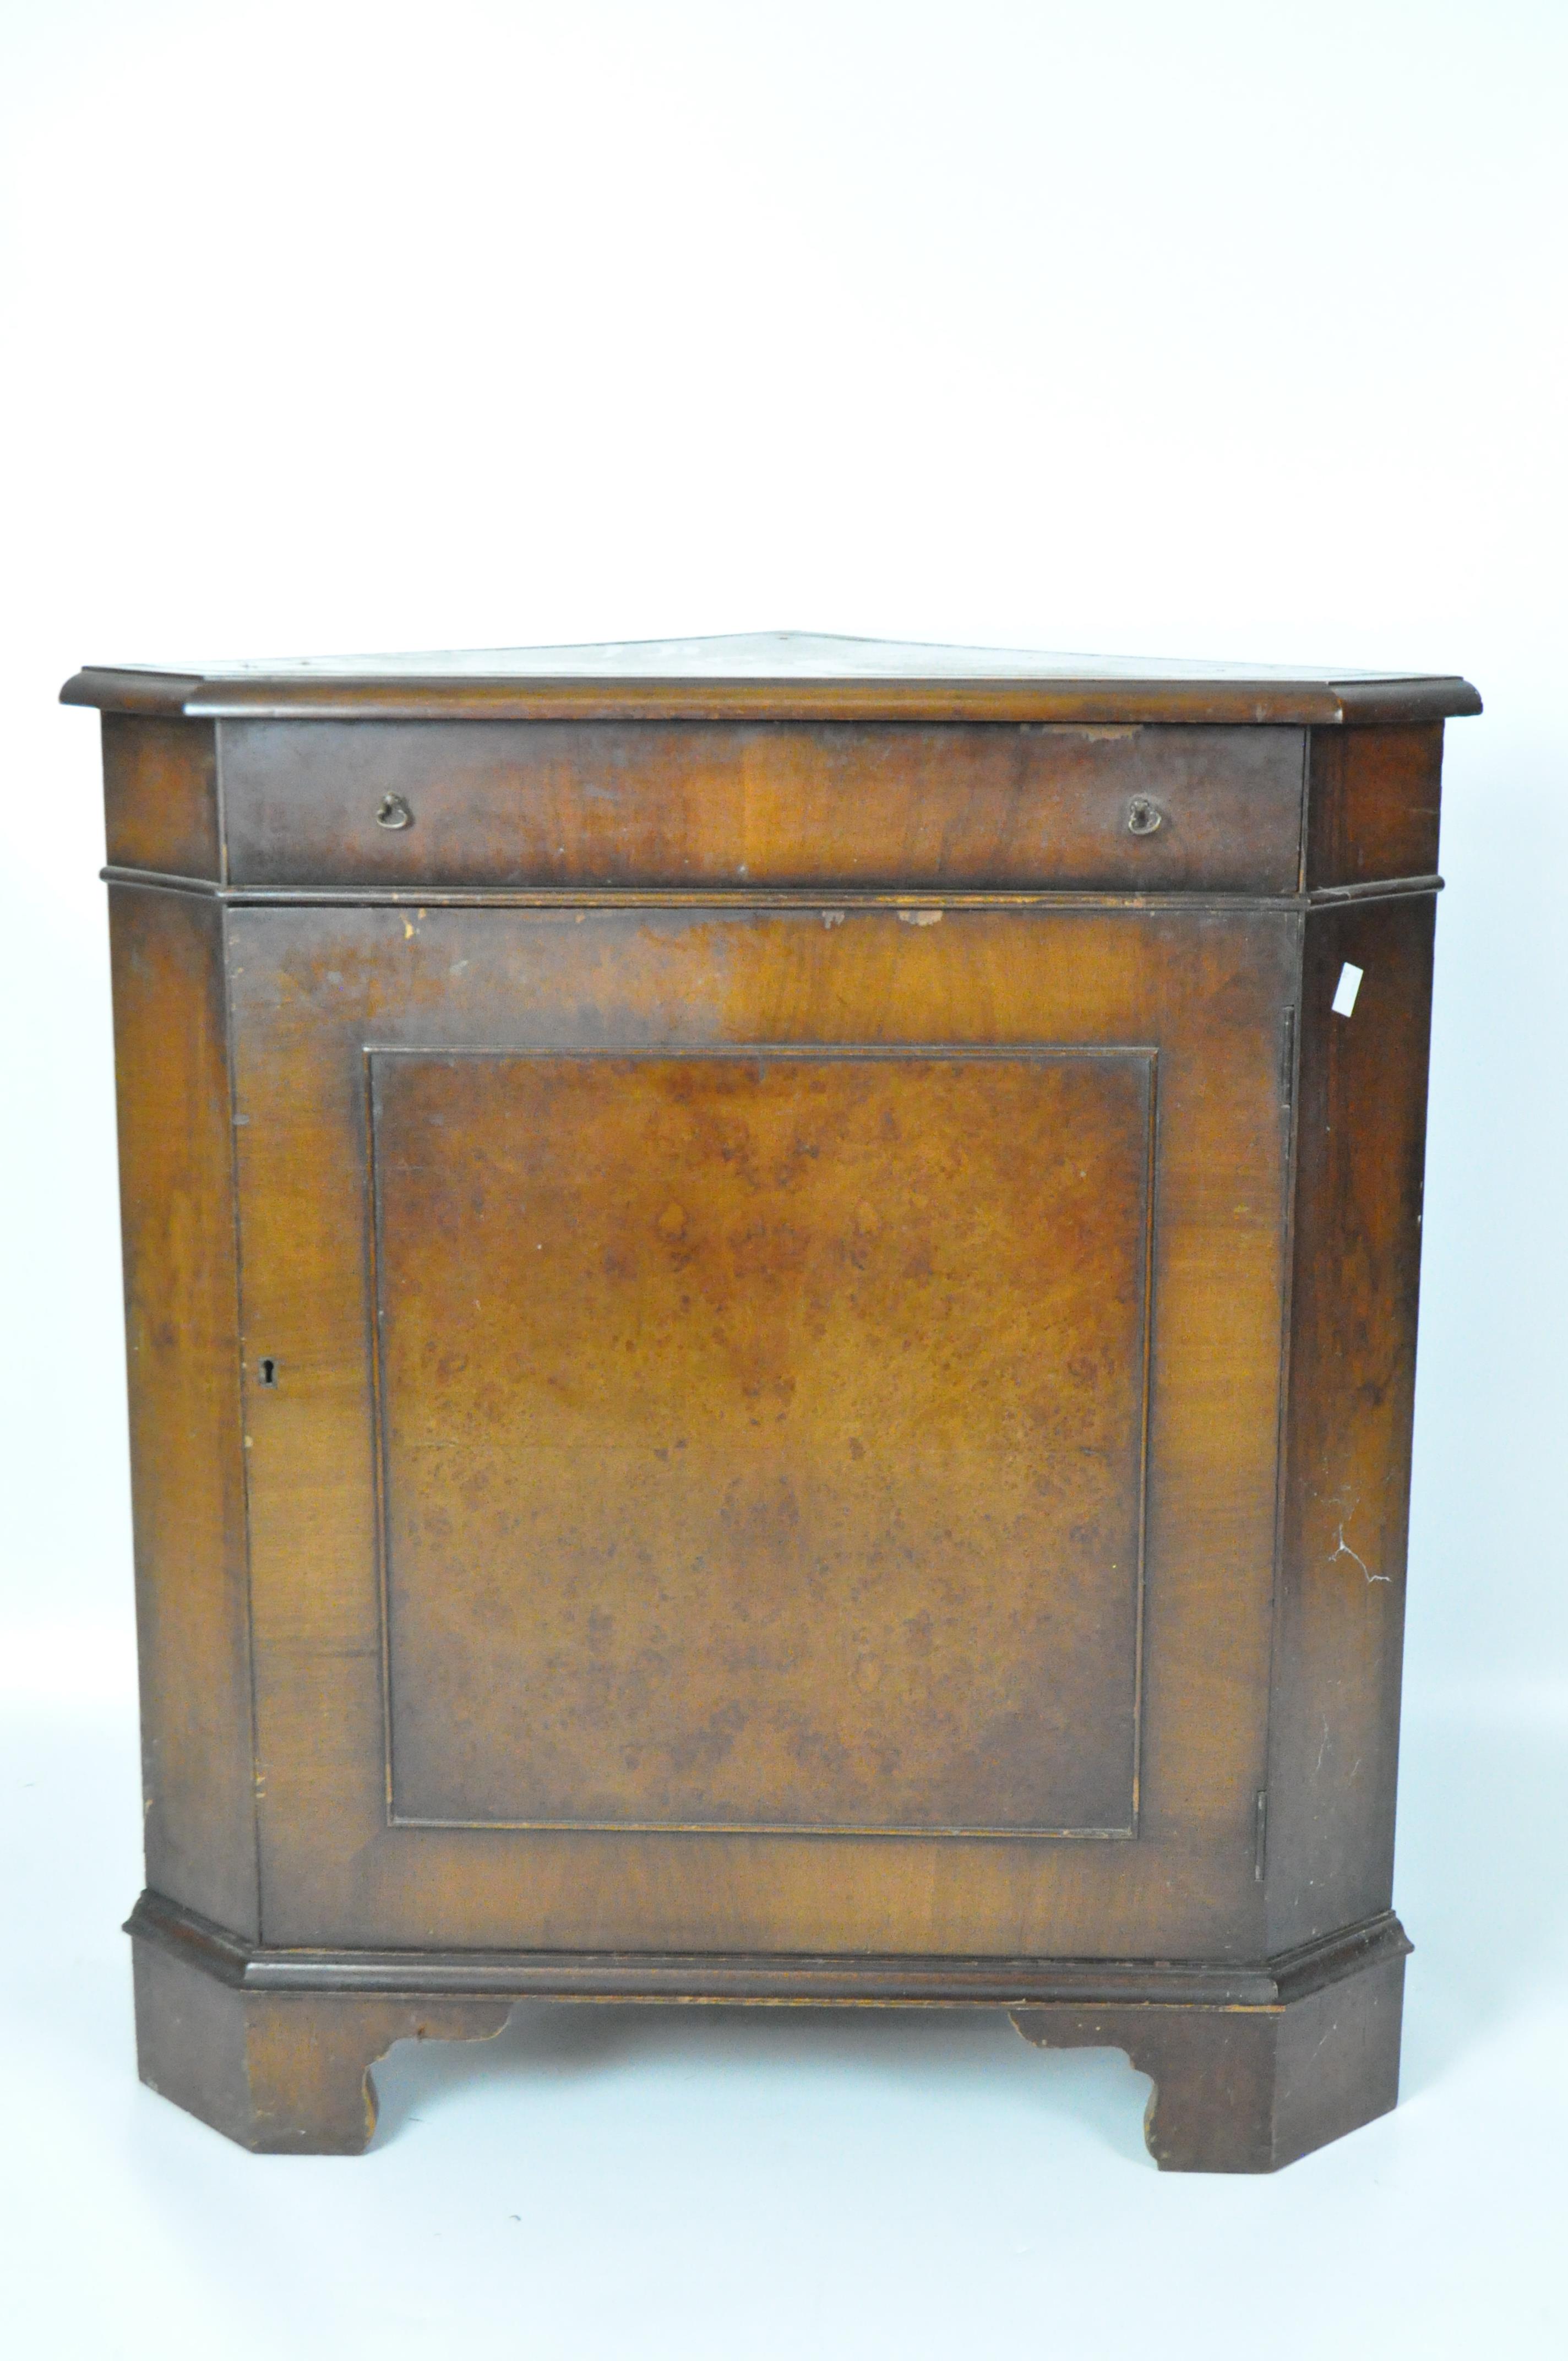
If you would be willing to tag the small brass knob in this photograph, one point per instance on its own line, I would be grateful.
(1144, 817)
(393, 812)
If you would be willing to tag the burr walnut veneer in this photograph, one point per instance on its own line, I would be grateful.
(770, 1291)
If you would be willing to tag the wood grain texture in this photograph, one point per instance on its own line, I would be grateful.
(1360, 1155)
(314, 989)
(281, 2073)
(762, 1979)
(529, 1209)
(160, 797)
(1373, 803)
(1240, 2085)
(764, 1437)
(623, 804)
(177, 1208)
(1249, 2090)
(780, 675)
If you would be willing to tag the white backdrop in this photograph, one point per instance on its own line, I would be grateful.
(1227, 330)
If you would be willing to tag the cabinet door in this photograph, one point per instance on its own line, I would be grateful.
(761, 1423)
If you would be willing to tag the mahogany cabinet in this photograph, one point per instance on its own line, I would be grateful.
(770, 1294)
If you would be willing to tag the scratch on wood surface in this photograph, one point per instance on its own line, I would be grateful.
(1347, 1503)
(1344, 1549)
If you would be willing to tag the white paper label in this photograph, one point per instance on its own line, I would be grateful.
(1345, 990)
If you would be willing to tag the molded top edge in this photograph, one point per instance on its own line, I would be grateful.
(768, 675)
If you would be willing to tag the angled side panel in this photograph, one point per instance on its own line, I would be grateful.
(1372, 803)
(1334, 1723)
(160, 797)
(182, 1350)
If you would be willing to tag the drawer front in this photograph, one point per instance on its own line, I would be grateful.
(627, 804)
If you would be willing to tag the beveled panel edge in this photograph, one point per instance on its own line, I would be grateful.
(1251, 703)
(798, 1052)
(869, 1828)
(761, 1978)
(761, 897)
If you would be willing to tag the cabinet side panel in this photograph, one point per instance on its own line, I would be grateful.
(1372, 804)
(183, 1353)
(161, 795)
(1360, 1141)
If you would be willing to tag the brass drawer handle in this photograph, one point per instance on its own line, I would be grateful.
(393, 812)
(1144, 817)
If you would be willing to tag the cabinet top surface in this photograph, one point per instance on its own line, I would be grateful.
(768, 675)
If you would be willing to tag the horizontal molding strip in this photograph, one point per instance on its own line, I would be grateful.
(1322, 703)
(763, 1978)
(1375, 889)
(753, 897)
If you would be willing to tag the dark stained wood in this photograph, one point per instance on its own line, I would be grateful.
(283, 2073)
(160, 797)
(779, 676)
(1217, 704)
(131, 689)
(528, 1211)
(183, 1377)
(1248, 2089)
(1360, 1152)
(618, 804)
(715, 1488)
(1372, 805)
(1242, 2083)
(311, 991)
(910, 1982)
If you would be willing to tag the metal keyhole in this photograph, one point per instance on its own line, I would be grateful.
(393, 812)
(1144, 817)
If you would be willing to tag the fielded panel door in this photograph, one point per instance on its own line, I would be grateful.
(762, 1422)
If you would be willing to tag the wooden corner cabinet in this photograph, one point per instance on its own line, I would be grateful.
(770, 1295)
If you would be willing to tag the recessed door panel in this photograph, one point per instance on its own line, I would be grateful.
(762, 1437)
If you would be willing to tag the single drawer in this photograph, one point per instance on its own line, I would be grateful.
(933, 807)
